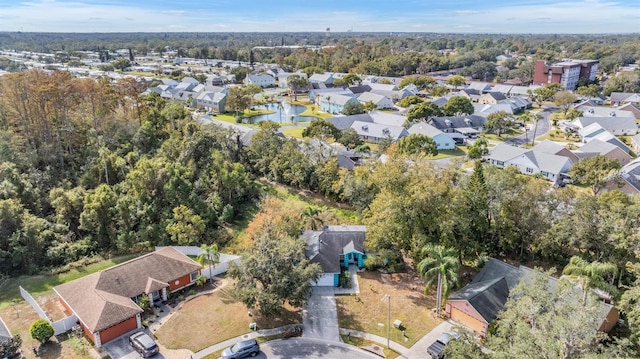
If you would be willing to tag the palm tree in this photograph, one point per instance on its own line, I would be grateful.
(591, 275)
(441, 266)
(310, 216)
(210, 254)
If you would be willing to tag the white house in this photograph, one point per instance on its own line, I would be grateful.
(620, 126)
(381, 101)
(262, 80)
(530, 162)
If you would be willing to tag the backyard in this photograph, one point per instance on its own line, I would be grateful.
(367, 311)
(218, 315)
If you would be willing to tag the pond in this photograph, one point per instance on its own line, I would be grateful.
(284, 113)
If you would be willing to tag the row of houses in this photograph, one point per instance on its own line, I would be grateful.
(192, 93)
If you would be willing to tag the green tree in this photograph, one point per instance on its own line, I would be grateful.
(209, 254)
(543, 94)
(97, 216)
(350, 139)
(499, 122)
(591, 275)
(352, 108)
(630, 300)
(41, 330)
(274, 271)
(478, 149)
(455, 81)
(421, 82)
(418, 144)
(351, 79)
(238, 100)
(410, 100)
(121, 64)
(322, 129)
(296, 84)
(564, 100)
(186, 227)
(592, 90)
(424, 111)
(458, 106)
(594, 172)
(369, 106)
(311, 219)
(439, 266)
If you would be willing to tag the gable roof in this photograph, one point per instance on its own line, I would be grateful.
(608, 123)
(103, 299)
(423, 128)
(599, 111)
(630, 173)
(5, 334)
(622, 96)
(548, 146)
(458, 121)
(504, 152)
(376, 130)
(338, 99)
(596, 131)
(325, 247)
(373, 97)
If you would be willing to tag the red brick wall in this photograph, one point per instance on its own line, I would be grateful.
(181, 282)
(539, 75)
(118, 329)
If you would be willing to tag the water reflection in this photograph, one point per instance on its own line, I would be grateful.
(284, 113)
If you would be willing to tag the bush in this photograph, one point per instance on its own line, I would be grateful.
(144, 302)
(41, 330)
(385, 259)
(192, 292)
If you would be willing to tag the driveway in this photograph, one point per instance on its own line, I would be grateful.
(543, 127)
(121, 349)
(419, 349)
(320, 317)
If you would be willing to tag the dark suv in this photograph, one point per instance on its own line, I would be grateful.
(242, 349)
(144, 345)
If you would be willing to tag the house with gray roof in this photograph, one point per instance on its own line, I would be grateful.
(486, 110)
(479, 87)
(335, 248)
(335, 102)
(212, 101)
(620, 126)
(620, 98)
(631, 107)
(554, 148)
(491, 98)
(635, 143)
(376, 133)
(380, 101)
(596, 131)
(325, 78)
(262, 80)
(531, 162)
(5, 334)
(599, 111)
(443, 141)
(626, 180)
(597, 147)
(469, 126)
(382, 118)
(478, 304)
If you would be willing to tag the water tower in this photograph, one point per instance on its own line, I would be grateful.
(328, 31)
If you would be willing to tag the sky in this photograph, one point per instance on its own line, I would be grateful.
(451, 16)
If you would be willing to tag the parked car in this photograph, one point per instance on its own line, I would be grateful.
(242, 349)
(436, 349)
(144, 344)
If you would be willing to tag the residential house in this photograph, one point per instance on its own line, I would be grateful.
(597, 147)
(480, 87)
(621, 98)
(212, 101)
(554, 148)
(596, 131)
(335, 248)
(105, 302)
(598, 111)
(376, 133)
(626, 180)
(262, 80)
(472, 94)
(631, 107)
(635, 143)
(486, 110)
(468, 126)
(502, 88)
(335, 103)
(315, 94)
(477, 304)
(359, 89)
(380, 101)
(283, 80)
(5, 333)
(531, 162)
(390, 91)
(443, 141)
(518, 103)
(382, 118)
(620, 126)
(216, 80)
(491, 98)
(325, 78)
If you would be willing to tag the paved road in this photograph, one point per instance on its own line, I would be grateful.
(311, 349)
(320, 316)
(543, 127)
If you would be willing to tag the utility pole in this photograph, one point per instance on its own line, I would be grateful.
(388, 298)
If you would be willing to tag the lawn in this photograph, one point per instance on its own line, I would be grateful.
(294, 132)
(359, 342)
(212, 318)
(367, 311)
(41, 284)
(457, 152)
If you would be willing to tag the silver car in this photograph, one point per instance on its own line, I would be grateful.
(242, 349)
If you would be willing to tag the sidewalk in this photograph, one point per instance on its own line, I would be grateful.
(229, 342)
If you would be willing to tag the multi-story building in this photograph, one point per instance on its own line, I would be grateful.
(566, 73)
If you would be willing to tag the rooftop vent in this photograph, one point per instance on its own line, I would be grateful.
(365, 128)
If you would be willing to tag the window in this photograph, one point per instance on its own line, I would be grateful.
(529, 170)
(194, 275)
(500, 163)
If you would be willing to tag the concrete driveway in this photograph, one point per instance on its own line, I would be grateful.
(311, 349)
(121, 349)
(320, 317)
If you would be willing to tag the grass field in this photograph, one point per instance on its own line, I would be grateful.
(217, 316)
(294, 132)
(368, 313)
(41, 284)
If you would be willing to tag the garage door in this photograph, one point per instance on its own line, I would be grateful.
(467, 320)
(325, 280)
(118, 329)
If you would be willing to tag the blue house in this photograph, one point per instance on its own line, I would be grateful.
(335, 248)
(335, 103)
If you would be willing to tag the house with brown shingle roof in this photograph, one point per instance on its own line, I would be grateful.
(105, 302)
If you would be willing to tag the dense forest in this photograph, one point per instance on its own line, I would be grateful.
(365, 53)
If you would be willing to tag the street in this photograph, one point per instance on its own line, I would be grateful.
(543, 127)
(311, 349)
